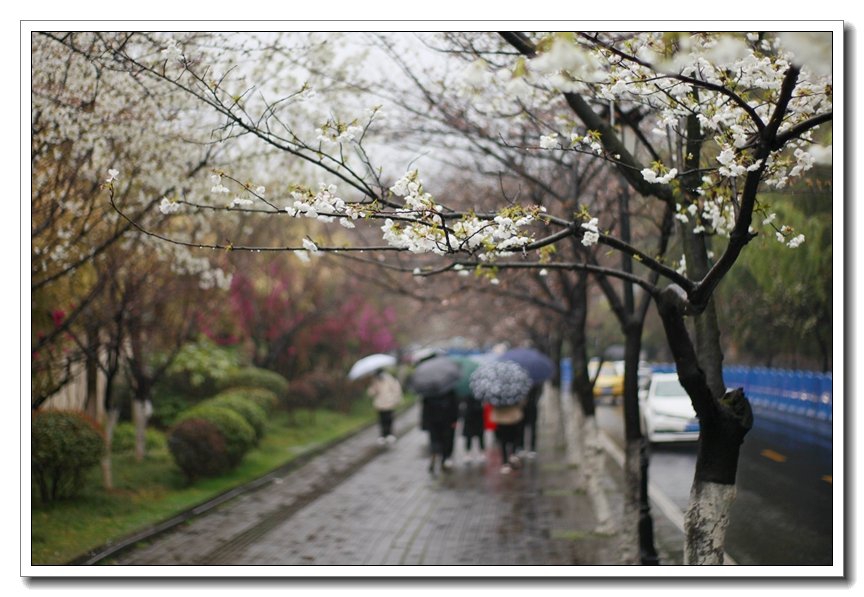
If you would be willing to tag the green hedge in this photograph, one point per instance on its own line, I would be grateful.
(253, 377)
(198, 448)
(64, 445)
(243, 406)
(264, 398)
(239, 435)
(124, 438)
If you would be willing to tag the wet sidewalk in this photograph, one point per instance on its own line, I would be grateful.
(363, 504)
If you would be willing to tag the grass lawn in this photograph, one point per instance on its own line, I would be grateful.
(155, 490)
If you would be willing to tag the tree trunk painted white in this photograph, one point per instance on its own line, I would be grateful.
(139, 417)
(593, 471)
(705, 523)
(630, 518)
(569, 416)
(550, 413)
(111, 418)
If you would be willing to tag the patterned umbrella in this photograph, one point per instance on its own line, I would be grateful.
(538, 365)
(500, 383)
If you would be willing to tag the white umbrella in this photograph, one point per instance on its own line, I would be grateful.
(370, 364)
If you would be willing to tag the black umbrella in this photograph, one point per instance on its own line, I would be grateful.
(538, 365)
(500, 383)
(435, 376)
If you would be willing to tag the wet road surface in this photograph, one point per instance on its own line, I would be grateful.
(362, 504)
(783, 512)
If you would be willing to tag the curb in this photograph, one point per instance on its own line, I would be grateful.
(112, 548)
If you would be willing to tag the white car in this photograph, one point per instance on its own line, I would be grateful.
(667, 413)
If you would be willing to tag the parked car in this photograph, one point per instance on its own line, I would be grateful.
(667, 413)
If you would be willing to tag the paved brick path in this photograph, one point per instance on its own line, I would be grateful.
(361, 504)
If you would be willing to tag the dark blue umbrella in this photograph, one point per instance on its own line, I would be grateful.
(538, 365)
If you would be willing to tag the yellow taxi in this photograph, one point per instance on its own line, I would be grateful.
(610, 380)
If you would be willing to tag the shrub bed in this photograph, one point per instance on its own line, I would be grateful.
(198, 448)
(243, 406)
(64, 446)
(239, 436)
(254, 377)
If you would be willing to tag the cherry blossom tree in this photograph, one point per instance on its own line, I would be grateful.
(713, 120)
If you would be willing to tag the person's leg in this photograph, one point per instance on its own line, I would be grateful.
(435, 443)
(381, 423)
(387, 423)
(533, 428)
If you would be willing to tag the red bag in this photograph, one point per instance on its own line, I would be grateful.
(487, 421)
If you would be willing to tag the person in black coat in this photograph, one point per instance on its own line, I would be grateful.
(529, 422)
(441, 414)
(473, 426)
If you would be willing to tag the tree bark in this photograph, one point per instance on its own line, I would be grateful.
(723, 423)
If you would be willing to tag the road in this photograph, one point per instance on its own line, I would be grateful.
(784, 508)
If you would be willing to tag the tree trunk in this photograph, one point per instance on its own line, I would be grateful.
(723, 423)
(594, 474)
(139, 418)
(705, 523)
(111, 418)
(91, 372)
(637, 510)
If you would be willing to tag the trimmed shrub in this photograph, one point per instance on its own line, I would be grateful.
(197, 371)
(243, 406)
(264, 398)
(253, 377)
(167, 407)
(64, 446)
(124, 438)
(198, 448)
(239, 435)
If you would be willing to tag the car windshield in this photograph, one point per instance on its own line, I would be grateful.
(669, 388)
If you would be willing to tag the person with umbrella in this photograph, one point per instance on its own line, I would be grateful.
(435, 381)
(385, 390)
(472, 409)
(386, 393)
(540, 368)
(504, 385)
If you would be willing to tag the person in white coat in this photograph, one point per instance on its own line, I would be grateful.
(386, 393)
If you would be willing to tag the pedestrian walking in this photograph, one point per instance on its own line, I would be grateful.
(528, 426)
(443, 414)
(508, 423)
(473, 427)
(386, 392)
(505, 386)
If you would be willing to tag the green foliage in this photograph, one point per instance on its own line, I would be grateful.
(199, 369)
(243, 406)
(124, 438)
(199, 448)
(167, 407)
(156, 489)
(239, 435)
(777, 303)
(255, 377)
(64, 445)
(264, 398)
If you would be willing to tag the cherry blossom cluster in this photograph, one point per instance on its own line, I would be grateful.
(422, 226)
(659, 70)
